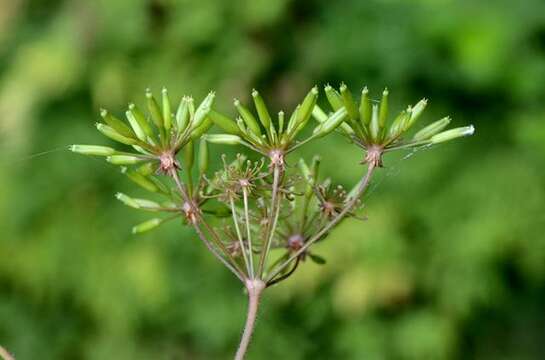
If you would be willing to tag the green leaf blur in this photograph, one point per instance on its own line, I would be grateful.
(450, 263)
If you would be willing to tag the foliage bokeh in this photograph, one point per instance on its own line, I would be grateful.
(450, 263)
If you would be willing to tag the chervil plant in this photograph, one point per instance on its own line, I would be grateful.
(259, 219)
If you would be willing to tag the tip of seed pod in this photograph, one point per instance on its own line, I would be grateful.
(281, 113)
(327, 87)
(131, 106)
(236, 102)
(470, 130)
(254, 92)
(365, 90)
(314, 89)
(148, 92)
(103, 112)
(98, 125)
(118, 195)
(342, 87)
(164, 90)
(123, 169)
(212, 93)
(385, 91)
(71, 147)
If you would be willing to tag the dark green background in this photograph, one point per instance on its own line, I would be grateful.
(450, 264)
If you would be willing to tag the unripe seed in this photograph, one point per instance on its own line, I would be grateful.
(92, 150)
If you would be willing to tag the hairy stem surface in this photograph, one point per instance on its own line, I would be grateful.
(255, 288)
(5, 355)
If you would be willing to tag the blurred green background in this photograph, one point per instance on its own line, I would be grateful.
(449, 265)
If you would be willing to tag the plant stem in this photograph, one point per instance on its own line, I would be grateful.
(240, 239)
(364, 182)
(254, 287)
(230, 262)
(271, 223)
(209, 246)
(4, 354)
(248, 231)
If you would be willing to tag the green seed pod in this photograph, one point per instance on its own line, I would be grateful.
(365, 108)
(248, 118)
(241, 126)
(92, 150)
(116, 124)
(114, 135)
(397, 125)
(349, 103)
(416, 112)
(254, 138)
(167, 110)
(127, 200)
(206, 124)
(319, 114)
(226, 139)
(335, 100)
(374, 127)
(383, 113)
(149, 205)
(154, 110)
(280, 122)
(293, 120)
(203, 156)
(224, 122)
(182, 114)
(432, 129)
(273, 133)
(124, 159)
(203, 109)
(160, 185)
(141, 180)
(138, 131)
(305, 111)
(147, 169)
(331, 124)
(141, 150)
(346, 128)
(189, 155)
(147, 226)
(141, 120)
(261, 108)
(452, 134)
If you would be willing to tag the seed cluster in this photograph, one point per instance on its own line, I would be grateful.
(248, 210)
